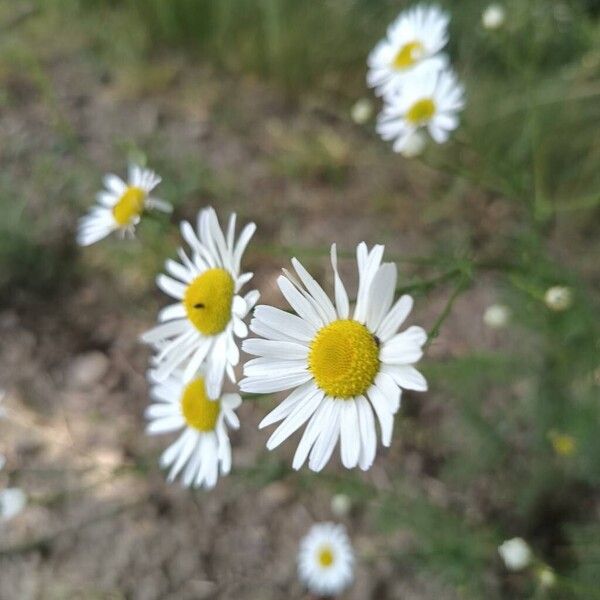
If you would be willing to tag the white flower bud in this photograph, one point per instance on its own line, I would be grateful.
(493, 16)
(496, 316)
(558, 298)
(515, 553)
(415, 145)
(362, 111)
(341, 505)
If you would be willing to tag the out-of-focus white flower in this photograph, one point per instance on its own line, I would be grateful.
(412, 41)
(516, 554)
(493, 16)
(429, 100)
(341, 505)
(546, 577)
(361, 111)
(496, 316)
(558, 298)
(121, 205)
(12, 502)
(326, 560)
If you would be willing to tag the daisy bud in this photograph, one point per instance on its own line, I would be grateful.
(515, 553)
(496, 316)
(12, 502)
(415, 145)
(341, 505)
(558, 298)
(546, 577)
(493, 16)
(362, 111)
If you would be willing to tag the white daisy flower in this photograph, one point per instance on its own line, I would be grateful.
(203, 449)
(120, 205)
(344, 368)
(326, 560)
(431, 100)
(201, 326)
(413, 40)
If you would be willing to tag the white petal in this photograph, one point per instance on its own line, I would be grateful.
(407, 377)
(327, 440)
(280, 320)
(341, 296)
(289, 404)
(381, 295)
(299, 303)
(350, 434)
(274, 349)
(386, 418)
(395, 318)
(171, 287)
(301, 413)
(367, 433)
(404, 348)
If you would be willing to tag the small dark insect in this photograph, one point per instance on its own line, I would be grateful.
(199, 305)
(377, 341)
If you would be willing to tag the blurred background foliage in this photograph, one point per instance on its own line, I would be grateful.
(530, 136)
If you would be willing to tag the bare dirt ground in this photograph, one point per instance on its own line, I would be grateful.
(102, 522)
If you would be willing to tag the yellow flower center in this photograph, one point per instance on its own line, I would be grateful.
(408, 55)
(129, 206)
(563, 444)
(344, 358)
(421, 111)
(208, 300)
(325, 556)
(199, 411)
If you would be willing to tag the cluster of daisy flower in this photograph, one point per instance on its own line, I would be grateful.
(420, 90)
(343, 367)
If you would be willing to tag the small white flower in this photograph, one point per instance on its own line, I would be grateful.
(201, 326)
(361, 111)
(558, 298)
(346, 369)
(414, 39)
(120, 205)
(203, 449)
(430, 100)
(493, 16)
(516, 554)
(12, 502)
(341, 505)
(496, 316)
(326, 560)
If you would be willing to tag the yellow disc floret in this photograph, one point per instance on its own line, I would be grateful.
(208, 300)
(421, 111)
(344, 358)
(408, 55)
(129, 206)
(199, 411)
(325, 556)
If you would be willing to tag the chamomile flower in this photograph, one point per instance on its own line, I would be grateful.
(203, 450)
(326, 560)
(201, 326)
(431, 101)
(413, 40)
(345, 368)
(120, 205)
